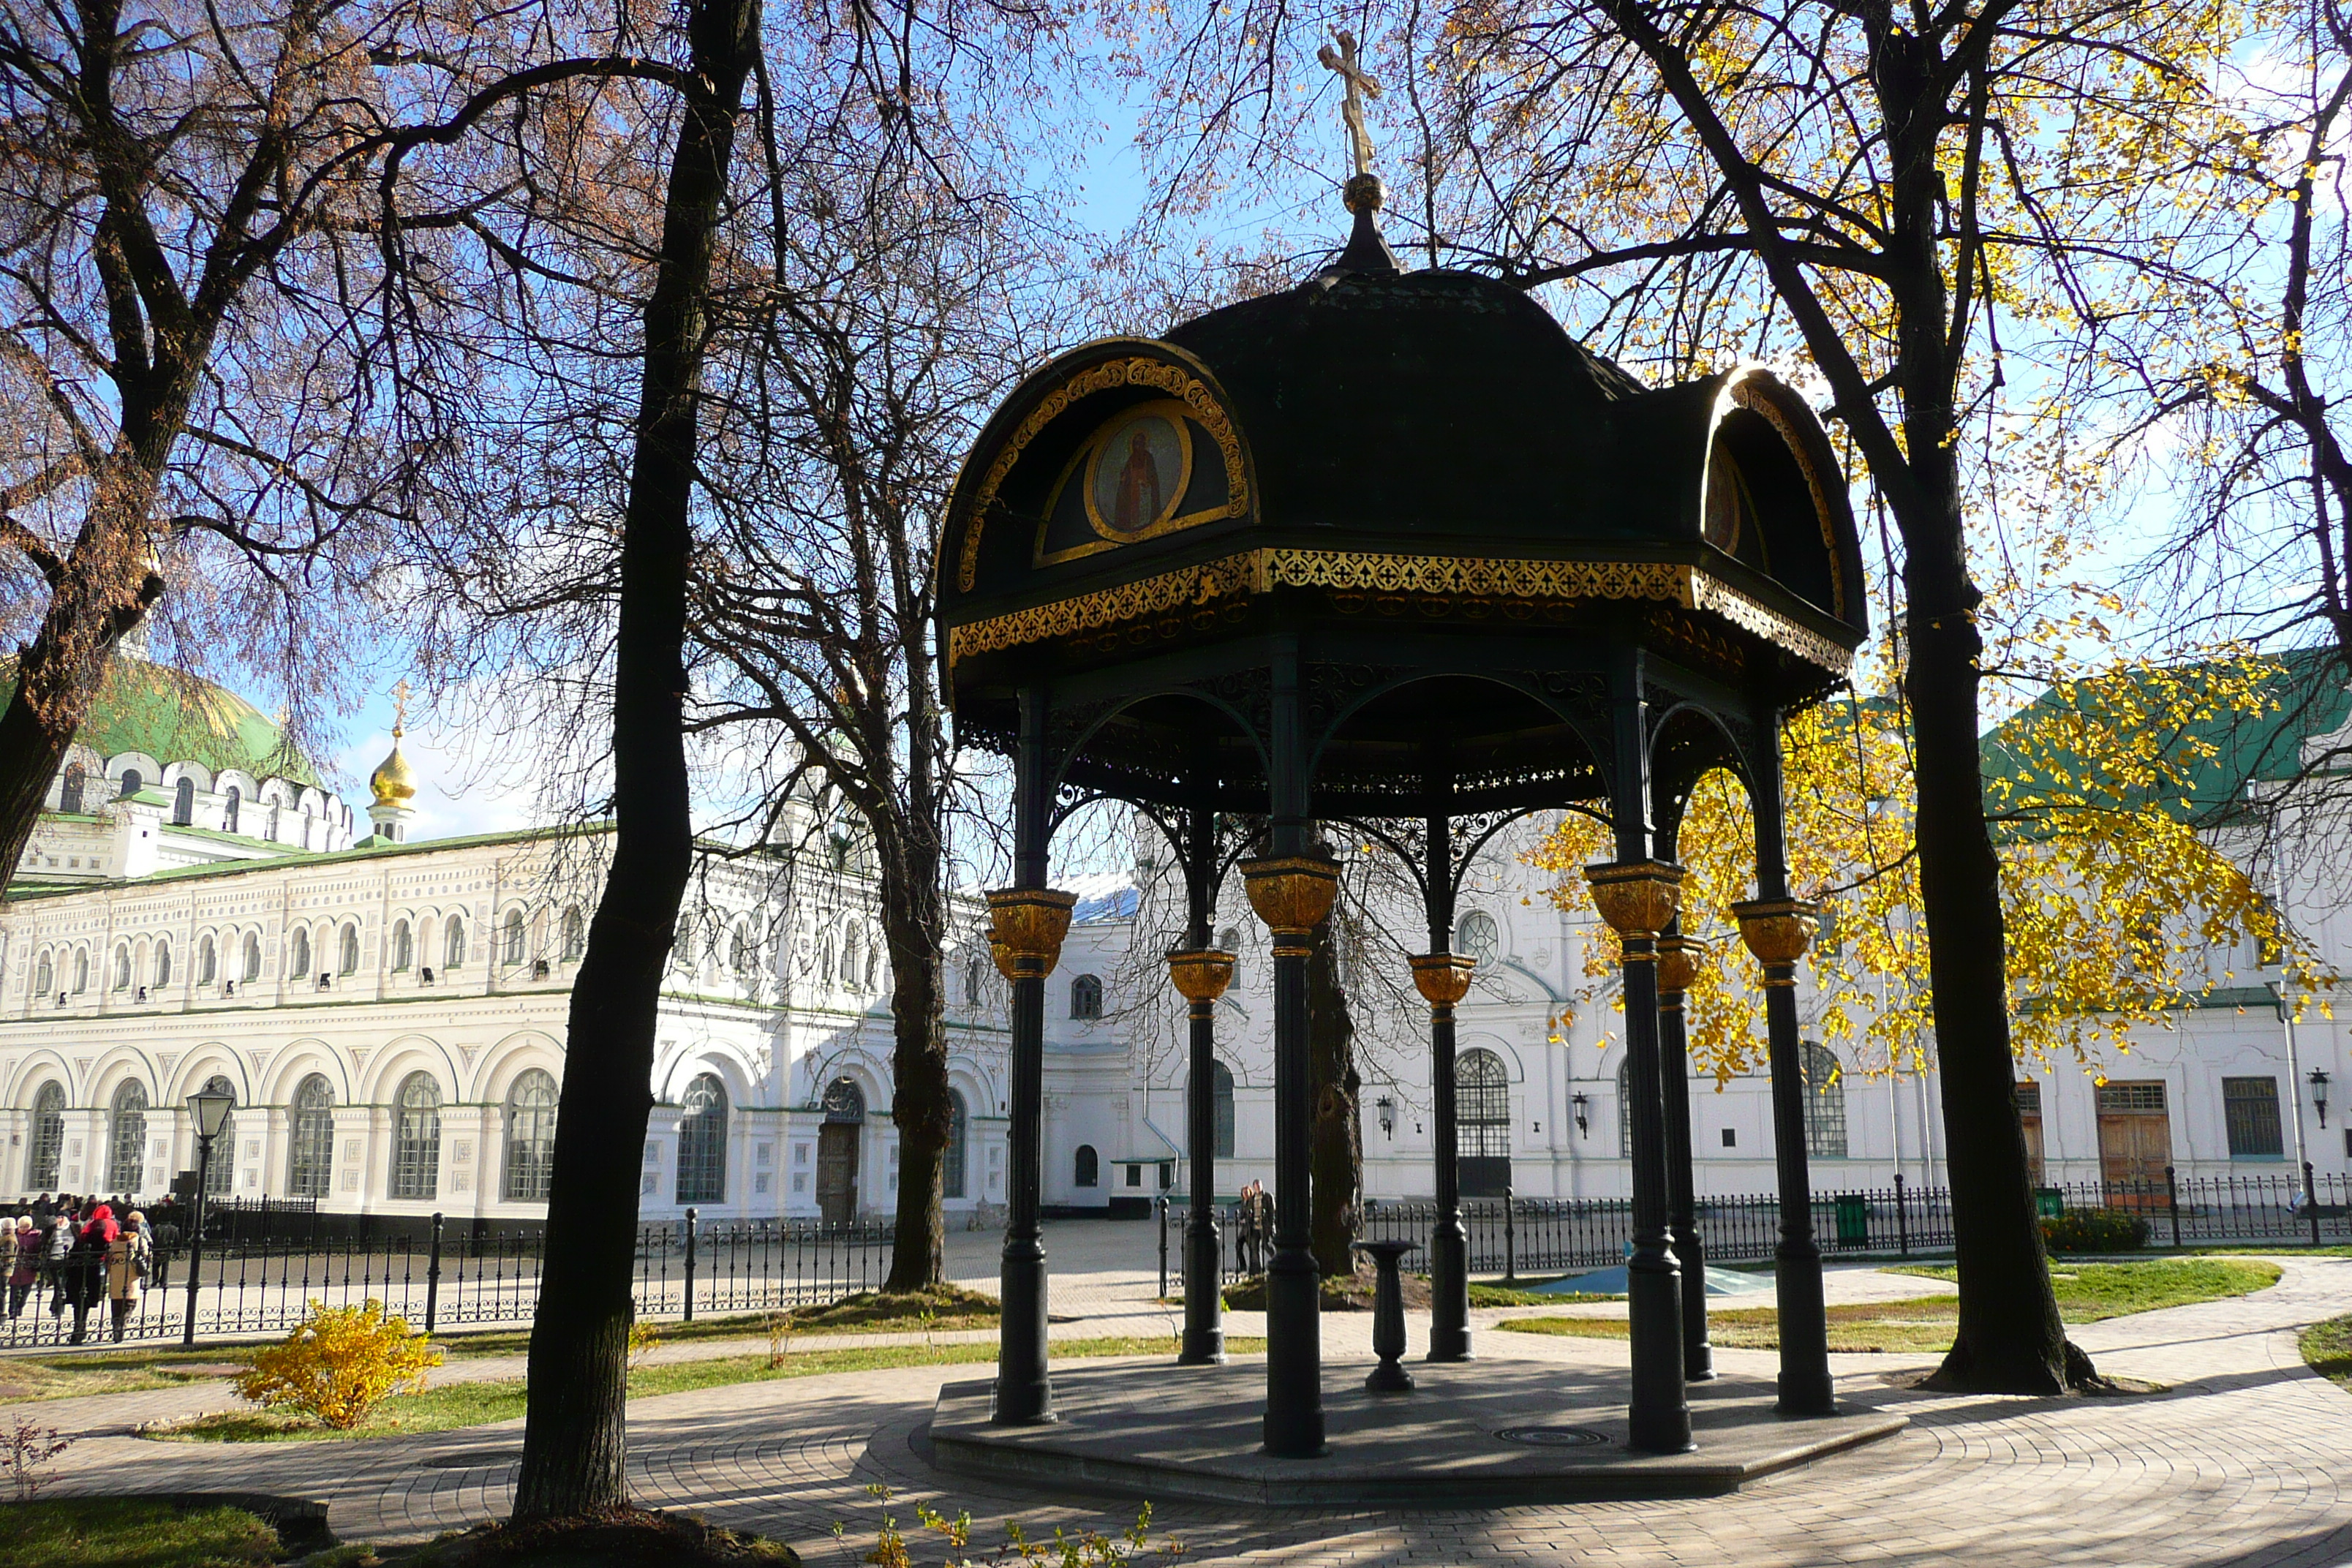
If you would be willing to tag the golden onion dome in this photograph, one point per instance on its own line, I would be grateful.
(394, 783)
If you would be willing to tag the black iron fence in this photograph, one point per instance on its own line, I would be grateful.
(438, 1276)
(1517, 1236)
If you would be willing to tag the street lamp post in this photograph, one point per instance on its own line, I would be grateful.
(210, 1107)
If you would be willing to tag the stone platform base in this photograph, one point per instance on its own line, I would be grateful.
(1480, 1433)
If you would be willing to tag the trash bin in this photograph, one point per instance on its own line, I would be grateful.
(2048, 1203)
(1853, 1220)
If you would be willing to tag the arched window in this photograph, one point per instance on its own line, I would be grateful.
(972, 980)
(122, 966)
(126, 1137)
(952, 1158)
(69, 794)
(81, 970)
(134, 781)
(1482, 1105)
(702, 1143)
(844, 1101)
(530, 1137)
(48, 1148)
(162, 962)
(252, 955)
(575, 936)
(1229, 939)
(514, 937)
(1625, 1109)
(229, 811)
(184, 802)
(416, 1139)
(1088, 1171)
(220, 1176)
(1478, 936)
(403, 946)
(1085, 996)
(738, 952)
(207, 962)
(298, 965)
(351, 954)
(311, 1152)
(45, 978)
(454, 943)
(874, 965)
(1221, 1107)
(1824, 1103)
(853, 953)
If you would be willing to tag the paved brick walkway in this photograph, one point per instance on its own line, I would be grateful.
(2240, 1463)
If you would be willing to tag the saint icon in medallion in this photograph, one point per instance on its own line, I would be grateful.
(1140, 471)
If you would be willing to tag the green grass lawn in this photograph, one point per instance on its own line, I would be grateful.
(456, 1404)
(117, 1532)
(2086, 1292)
(2327, 1350)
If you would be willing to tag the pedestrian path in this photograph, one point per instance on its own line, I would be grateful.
(2240, 1461)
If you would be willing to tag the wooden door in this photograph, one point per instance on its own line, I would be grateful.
(836, 1172)
(2135, 1141)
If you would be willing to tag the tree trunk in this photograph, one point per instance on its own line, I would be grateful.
(1336, 1148)
(913, 923)
(575, 1438)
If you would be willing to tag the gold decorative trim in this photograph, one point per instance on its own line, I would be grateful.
(1261, 571)
(1747, 395)
(1136, 371)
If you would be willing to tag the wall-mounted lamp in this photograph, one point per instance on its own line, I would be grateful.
(2319, 1094)
(1583, 1117)
(1387, 1108)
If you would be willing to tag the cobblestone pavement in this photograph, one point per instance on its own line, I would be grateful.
(2237, 1463)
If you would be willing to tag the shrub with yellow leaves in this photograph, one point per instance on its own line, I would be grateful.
(340, 1364)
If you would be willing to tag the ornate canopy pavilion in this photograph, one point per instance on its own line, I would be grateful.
(1392, 549)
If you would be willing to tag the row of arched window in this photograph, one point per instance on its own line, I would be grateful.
(527, 1163)
(74, 795)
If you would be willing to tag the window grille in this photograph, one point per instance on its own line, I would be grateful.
(1824, 1103)
(2250, 1109)
(1482, 1105)
(311, 1157)
(952, 1158)
(129, 1140)
(1478, 936)
(530, 1137)
(43, 1160)
(417, 1142)
(2119, 1098)
(220, 1175)
(702, 1143)
(1085, 996)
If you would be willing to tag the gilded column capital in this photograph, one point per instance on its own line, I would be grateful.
(1639, 898)
(1292, 894)
(1778, 932)
(1028, 924)
(1200, 974)
(1442, 978)
(1680, 959)
(1001, 956)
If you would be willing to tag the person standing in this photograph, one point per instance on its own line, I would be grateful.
(56, 1248)
(86, 1264)
(126, 1268)
(23, 1262)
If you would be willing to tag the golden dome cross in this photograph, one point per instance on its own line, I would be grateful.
(1360, 86)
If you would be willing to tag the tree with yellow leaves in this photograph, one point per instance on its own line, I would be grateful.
(2113, 797)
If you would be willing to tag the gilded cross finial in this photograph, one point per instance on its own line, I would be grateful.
(1360, 86)
(399, 706)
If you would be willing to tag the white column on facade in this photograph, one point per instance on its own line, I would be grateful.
(764, 1133)
(83, 1168)
(348, 1187)
(460, 1187)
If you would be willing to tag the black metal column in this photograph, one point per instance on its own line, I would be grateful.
(1777, 930)
(1291, 892)
(1200, 976)
(1442, 982)
(1677, 960)
(1022, 914)
(1638, 896)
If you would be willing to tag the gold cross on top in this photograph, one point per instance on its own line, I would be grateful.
(1360, 86)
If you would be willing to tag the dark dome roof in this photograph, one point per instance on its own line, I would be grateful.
(1433, 401)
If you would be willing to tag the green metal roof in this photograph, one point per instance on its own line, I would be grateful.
(175, 717)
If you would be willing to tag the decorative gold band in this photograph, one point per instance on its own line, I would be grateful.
(1028, 924)
(1442, 978)
(1639, 898)
(1292, 894)
(1465, 578)
(1777, 931)
(1679, 958)
(1200, 974)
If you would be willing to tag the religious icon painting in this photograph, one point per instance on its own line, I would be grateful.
(1149, 470)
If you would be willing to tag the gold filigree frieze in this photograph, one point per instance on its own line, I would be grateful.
(1135, 370)
(1434, 578)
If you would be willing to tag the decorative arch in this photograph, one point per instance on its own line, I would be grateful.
(210, 1058)
(1597, 747)
(292, 1063)
(402, 1055)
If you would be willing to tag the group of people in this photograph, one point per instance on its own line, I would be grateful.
(1257, 1228)
(82, 1253)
